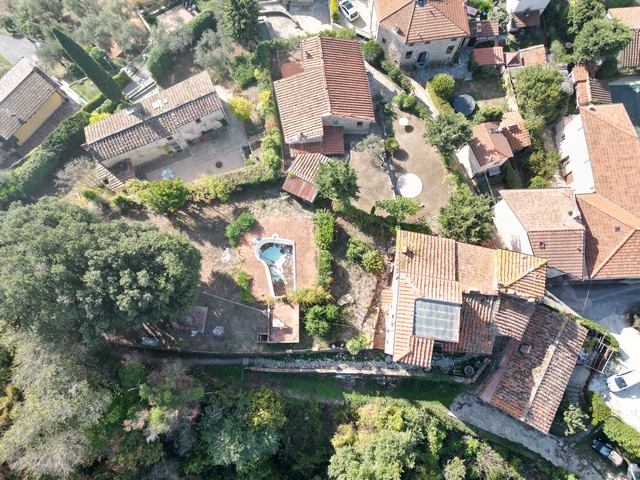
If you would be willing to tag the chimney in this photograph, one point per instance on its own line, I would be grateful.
(524, 348)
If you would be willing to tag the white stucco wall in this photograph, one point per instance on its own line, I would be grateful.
(510, 229)
(572, 143)
(193, 130)
(390, 327)
(349, 125)
(395, 50)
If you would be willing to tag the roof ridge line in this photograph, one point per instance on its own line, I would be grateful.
(450, 19)
(613, 252)
(635, 135)
(324, 78)
(607, 213)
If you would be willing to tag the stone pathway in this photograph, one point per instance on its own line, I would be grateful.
(457, 70)
(470, 409)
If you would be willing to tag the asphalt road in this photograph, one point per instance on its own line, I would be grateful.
(14, 48)
(608, 305)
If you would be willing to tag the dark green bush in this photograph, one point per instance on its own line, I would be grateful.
(161, 197)
(441, 104)
(356, 249)
(373, 53)
(324, 269)
(319, 319)
(204, 21)
(617, 3)
(488, 113)
(158, 62)
(510, 178)
(244, 223)
(443, 85)
(627, 437)
(243, 280)
(372, 262)
(89, 193)
(324, 229)
(610, 340)
(243, 70)
(75, 70)
(598, 410)
(391, 145)
(397, 75)
(272, 142)
(219, 187)
(121, 202)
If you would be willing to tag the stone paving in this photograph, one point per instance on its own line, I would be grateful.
(457, 70)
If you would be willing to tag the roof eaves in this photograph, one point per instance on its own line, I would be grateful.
(613, 253)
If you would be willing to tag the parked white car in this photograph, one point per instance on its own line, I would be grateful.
(623, 380)
(348, 10)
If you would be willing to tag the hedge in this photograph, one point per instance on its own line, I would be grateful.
(158, 62)
(441, 104)
(596, 407)
(627, 437)
(244, 223)
(324, 269)
(397, 75)
(409, 103)
(203, 22)
(53, 152)
(324, 226)
(610, 339)
(121, 79)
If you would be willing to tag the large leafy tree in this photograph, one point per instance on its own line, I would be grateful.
(92, 69)
(399, 207)
(448, 132)
(539, 92)
(466, 217)
(601, 38)
(63, 272)
(337, 180)
(241, 20)
(583, 11)
(62, 402)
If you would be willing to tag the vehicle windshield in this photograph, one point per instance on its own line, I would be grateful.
(348, 6)
(620, 382)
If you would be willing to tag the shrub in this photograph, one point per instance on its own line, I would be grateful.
(158, 62)
(97, 116)
(397, 75)
(443, 85)
(319, 319)
(244, 223)
(574, 419)
(356, 249)
(596, 407)
(324, 226)
(75, 70)
(202, 22)
(243, 70)
(441, 104)
(610, 340)
(357, 343)
(627, 437)
(272, 142)
(335, 11)
(89, 194)
(309, 296)
(324, 269)
(538, 182)
(161, 197)
(372, 262)
(510, 178)
(243, 280)
(121, 202)
(372, 52)
(241, 108)
(543, 164)
(488, 113)
(391, 145)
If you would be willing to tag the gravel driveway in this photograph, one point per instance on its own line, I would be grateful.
(470, 409)
(608, 304)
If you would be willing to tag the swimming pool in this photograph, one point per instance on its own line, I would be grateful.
(278, 257)
(629, 95)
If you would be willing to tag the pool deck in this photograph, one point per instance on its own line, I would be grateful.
(300, 231)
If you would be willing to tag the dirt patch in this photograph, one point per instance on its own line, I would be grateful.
(417, 157)
(373, 180)
(487, 91)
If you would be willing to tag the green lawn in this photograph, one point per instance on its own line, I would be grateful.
(86, 89)
(5, 65)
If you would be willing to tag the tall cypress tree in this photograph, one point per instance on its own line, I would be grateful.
(92, 69)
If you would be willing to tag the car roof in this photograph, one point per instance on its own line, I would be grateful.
(631, 376)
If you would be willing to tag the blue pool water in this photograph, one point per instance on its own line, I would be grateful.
(629, 95)
(279, 260)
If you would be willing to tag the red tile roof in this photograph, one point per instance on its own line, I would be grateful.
(549, 217)
(629, 16)
(589, 90)
(439, 269)
(24, 88)
(525, 19)
(117, 176)
(300, 179)
(320, 90)
(515, 130)
(152, 118)
(614, 153)
(536, 55)
(534, 375)
(483, 28)
(489, 56)
(332, 140)
(512, 317)
(489, 144)
(412, 23)
(612, 238)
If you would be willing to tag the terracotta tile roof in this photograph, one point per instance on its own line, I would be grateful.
(614, 153)
(589, 90)
(117, 176)
(332, 140)
(23, 90)
(525, 19)
(434, 21)
(152, 118)
(320, 90)
(515, 130)
(488, 144)
(535, 376)
(483, 28)
(443, 270)
(548, 216)
(512, 317)
(489, 56)
(301, 174)
(630, 16)
(536, 55)
(296, 149)
(419, 353)
(475, 325)
(612, 238)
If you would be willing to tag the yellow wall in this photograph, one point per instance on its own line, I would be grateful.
(38, 118)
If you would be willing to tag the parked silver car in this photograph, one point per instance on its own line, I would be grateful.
(623, 380)
(348, 10)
